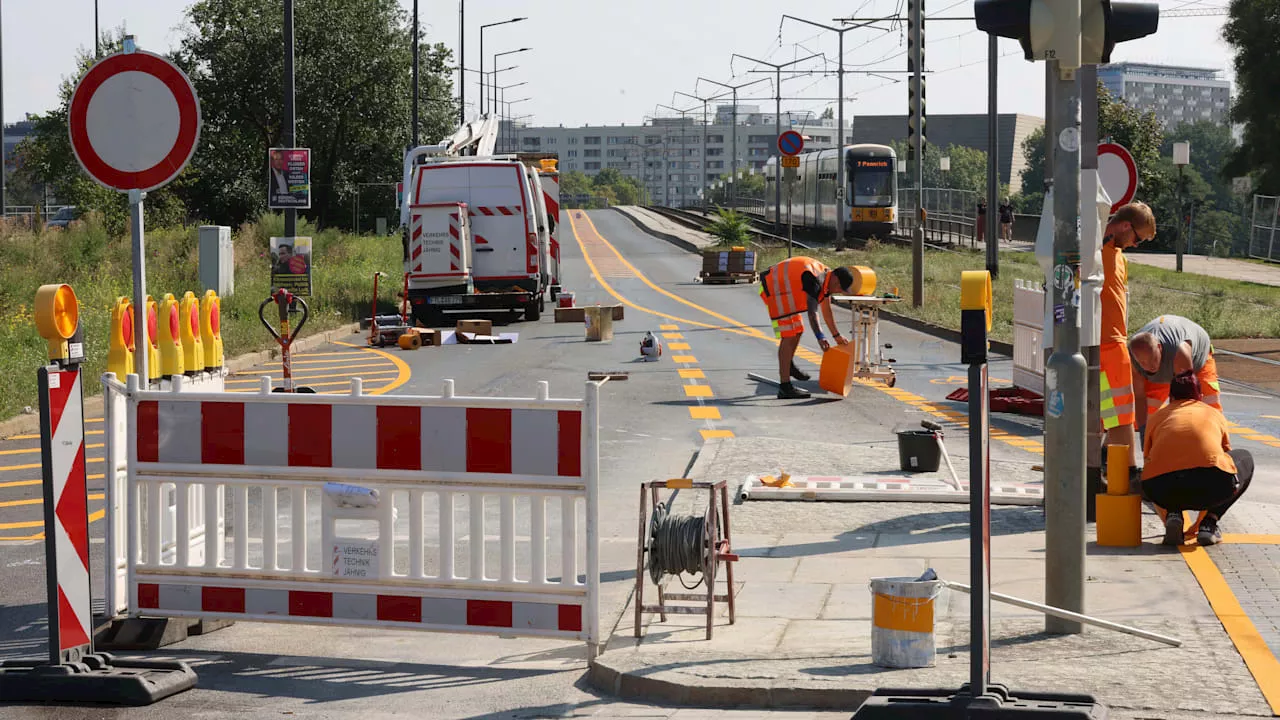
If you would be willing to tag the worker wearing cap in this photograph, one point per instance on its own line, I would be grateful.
(1165, 347)
(794, 286)
(1131, 224)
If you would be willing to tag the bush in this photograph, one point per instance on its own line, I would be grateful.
(731, 227)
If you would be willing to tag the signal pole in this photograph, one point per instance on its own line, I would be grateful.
(915, 135)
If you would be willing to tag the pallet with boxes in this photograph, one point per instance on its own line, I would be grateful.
(728, 266)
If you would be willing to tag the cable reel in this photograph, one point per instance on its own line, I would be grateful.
(678, 544)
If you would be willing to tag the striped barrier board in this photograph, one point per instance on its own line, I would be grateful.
(880, 489)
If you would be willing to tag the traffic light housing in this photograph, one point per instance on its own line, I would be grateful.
(1045, 28)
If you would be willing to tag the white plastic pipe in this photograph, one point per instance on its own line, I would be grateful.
(1068, 615)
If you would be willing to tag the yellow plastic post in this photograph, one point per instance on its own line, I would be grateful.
(170, 337)
(189, 333)
(154, 371)
(120, 345)
(211, 329)
(1119, 512)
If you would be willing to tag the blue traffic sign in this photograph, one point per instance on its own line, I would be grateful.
(790, 143)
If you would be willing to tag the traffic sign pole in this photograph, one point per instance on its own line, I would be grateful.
(140, 338)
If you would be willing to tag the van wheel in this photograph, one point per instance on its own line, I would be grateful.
(533, 311)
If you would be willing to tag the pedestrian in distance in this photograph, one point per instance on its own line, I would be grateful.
(794, 286)
(1131, 224)
(980, 225)
(1164, 348)
(1006, 220)
(1190, 464)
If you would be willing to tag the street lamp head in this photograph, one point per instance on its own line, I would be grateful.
(1181, 153)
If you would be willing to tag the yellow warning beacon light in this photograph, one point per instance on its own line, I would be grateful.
(57, 317)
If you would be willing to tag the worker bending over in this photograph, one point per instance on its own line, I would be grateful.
(1131, 224)
(794, 286)
(1189, 463)
(1167, 346)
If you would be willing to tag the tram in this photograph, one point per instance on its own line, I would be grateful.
(871, 177)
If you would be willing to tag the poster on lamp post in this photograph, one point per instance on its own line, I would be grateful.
(291, 264)
(289, 178)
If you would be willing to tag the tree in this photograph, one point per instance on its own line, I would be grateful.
(354, 115)
(1252, 28)
(968, 166)
(828, 114)
(1211, 148)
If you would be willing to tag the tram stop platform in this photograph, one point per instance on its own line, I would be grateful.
(802, 636)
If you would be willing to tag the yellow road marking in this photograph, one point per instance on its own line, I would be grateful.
(339, 363)
(37, 435)
(25, 483)
(1250, 539)
(710, 434)
(341, 353)
(697, 391)
(34, 466)
(679, 346)
(1271, 417)
(402, 369)
(1249, 643)
(691, 374)
(36, 450)
(703, 412)
(318, 377)
(260, 373)
(40, 501)
(677, 327)
(684, 359)
(93, 517)
(672, 336)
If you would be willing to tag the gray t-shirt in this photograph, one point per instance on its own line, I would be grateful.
(1171, 331)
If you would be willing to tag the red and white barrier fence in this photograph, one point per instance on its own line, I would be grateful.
(430, 513)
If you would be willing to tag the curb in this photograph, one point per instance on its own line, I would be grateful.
(679, 242)
(997, 346)
(24, 424)
(710, 693)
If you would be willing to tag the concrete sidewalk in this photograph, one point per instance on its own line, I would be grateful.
(651, 222)
(1225, 268)
(802, 636)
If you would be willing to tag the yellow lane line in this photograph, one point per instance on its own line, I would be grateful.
(677, 327)
(672, 336)
(1250, 539)
(34, 466)
(691, 374)
(341, 353)
(1244, 634)
(36, 436)
(40, 501)
(324, 384)
(712, 434)
(24, 451)
(683, 359)
(93, 518)
(317, 377)
(260, 373)
(403, 372)
(697, 391)
(703, 412)
(26, 483)
(679, 346)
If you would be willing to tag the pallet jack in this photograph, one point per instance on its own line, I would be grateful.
(389, 329)
(287, 302)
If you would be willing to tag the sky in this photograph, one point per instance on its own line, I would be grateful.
(612, 62)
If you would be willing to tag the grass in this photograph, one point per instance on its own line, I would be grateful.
(1225, 308)
(99, 268)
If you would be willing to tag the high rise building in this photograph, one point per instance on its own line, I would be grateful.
(1175, 94)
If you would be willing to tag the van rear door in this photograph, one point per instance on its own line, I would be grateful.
(496, 196)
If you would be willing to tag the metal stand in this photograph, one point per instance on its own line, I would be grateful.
(979, 698)
(868, 353)
(716, 547)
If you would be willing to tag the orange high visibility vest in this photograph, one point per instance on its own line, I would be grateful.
(783, 290)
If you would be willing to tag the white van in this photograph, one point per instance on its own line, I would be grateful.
(508, 234)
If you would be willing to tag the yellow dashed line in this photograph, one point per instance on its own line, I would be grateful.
(691, 373)
(672, 336)
(711, 434)
(697, 391)
(702, 412)
(684, 359)
(668, 327)
(679, 346)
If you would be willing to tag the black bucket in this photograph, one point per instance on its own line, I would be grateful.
(918, 451)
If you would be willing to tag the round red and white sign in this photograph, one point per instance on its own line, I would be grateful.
(1118, 174)
(134, 121)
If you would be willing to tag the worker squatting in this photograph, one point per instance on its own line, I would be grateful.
(1188, 461)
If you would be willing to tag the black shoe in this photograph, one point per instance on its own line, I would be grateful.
(1209, 533)
(799, 374)
(1173, 528)
(787, 391)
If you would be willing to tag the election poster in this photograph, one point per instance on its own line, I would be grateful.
(289, 178)
(291, 264)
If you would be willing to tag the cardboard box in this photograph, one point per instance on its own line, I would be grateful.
(599, 322)
(571, 315)
(476, 327)
(430, 337)
(617, 312)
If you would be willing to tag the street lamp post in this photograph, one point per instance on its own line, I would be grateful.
(495, 72)
(705, 126)
(840, 190)
(681, 164)
(1181, 157)
(733, 188)
(777, 131)
(414, 133)
(482, 29)
(509, 120)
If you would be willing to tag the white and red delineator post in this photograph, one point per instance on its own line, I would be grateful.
(66, 514)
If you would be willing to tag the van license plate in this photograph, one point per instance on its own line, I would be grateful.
(445, 300)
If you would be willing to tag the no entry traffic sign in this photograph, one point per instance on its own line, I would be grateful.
(1117, 173)
(134, 121)
(790, 143)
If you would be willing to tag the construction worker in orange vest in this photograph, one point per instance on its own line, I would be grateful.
(1130, 225)
(794, 286)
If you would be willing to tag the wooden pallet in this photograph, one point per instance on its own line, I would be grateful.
(730, 278)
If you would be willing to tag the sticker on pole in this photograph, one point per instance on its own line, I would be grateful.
(134, 121)
(1118, 173)
(790, 143)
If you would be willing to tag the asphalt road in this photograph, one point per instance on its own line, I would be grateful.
(651, 427)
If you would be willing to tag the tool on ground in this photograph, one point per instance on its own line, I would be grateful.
(287, 303)
(388, 329)
(672, 545)
(650, 346)
(760, 378)
(868, 353)
(942, 446)
(607, 375)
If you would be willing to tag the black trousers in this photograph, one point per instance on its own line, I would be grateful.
(1205, 488)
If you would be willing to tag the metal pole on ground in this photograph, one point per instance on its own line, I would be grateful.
(1065, 370)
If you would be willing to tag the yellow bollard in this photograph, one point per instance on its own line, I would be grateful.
(1119, 511)
(120, 345)
(170, 338)
(154, 371)
(211, 329)
(189, 333)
